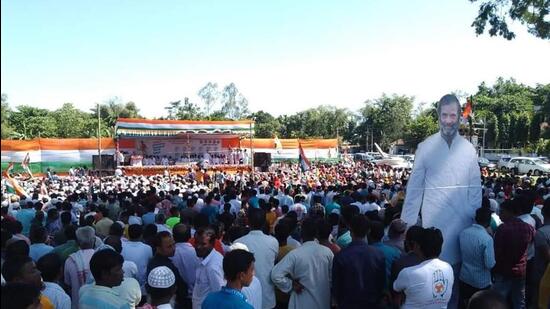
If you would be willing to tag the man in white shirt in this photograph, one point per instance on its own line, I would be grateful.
(136, 251)
(265, 249)
(429, 284)
(306, 271)
(50, 266)
(185, 259)
(209, 276)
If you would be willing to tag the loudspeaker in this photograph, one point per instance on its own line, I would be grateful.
(107, 162)
(262, 160)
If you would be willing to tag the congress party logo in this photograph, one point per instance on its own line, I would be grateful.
(439, 284)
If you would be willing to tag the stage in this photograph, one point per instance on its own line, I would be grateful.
(183, 169)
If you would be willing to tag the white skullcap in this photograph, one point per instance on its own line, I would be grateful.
(238, 245)
(161, 277)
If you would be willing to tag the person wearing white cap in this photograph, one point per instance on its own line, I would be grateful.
(161, 287)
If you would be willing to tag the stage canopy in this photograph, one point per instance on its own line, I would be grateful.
(132, 127)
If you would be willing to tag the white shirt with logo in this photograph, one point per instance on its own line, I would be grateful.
(427, 285)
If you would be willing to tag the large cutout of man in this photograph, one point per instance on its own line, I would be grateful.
(445, 184)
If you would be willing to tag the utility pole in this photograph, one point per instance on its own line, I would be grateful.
(99, 144)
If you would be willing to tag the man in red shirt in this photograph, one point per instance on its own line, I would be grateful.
(511, 241)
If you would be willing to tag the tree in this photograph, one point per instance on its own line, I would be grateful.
(421, 127)
(388, 116)
(173, 108)
(6, 129)
(113, 109)
(209, 95)
(266, 125)
(234, 104)
(324, 121)
(71, 122)
(531, 13)
(30, 122)
(188, 111)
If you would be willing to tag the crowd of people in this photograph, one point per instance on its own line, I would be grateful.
(330, 237)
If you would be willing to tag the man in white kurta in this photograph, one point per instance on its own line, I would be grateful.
(265, 249)
(445, 184)
(305, 272)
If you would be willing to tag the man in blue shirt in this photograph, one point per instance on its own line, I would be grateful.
(238, 267)
(391, 253)
(478, 257)
(359, 271)
(25, 216)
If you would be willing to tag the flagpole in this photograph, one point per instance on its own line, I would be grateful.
(99, 143)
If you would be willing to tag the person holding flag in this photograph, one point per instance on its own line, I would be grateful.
(305, 165)
(25, 165)
(12, 186)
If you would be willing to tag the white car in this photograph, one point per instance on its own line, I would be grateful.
(524, 165)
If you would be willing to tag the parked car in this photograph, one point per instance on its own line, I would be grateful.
(361, 156)
(502, 163)
(523, 165)
(484, 162)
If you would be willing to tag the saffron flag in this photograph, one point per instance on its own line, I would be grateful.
(304, 162)
(467, 108)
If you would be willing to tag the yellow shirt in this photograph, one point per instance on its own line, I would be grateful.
(46, 302)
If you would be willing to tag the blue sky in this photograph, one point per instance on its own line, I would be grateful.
(284, 56)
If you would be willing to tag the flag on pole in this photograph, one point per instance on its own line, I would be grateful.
(12, 186)
(467, 108)
(25, 165)
(304, 162)
(278, 144)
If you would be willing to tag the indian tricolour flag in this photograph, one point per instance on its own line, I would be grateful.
(305, 165)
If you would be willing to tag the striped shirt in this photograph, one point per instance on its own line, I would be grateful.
(478, 256)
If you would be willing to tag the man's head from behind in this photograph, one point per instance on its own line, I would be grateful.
(182, 233)
(359, 227)
(106, 267)
(431, 242)
(413, 238)
(238, 265)
(85, 236)
(483, 216)
(487, 299)
(448, 110)
(256, 218)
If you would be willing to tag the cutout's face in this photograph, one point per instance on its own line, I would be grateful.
(448, 120)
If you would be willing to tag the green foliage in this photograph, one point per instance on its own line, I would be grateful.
(113, 109)
(265, 126)
(421, 127)
(186, 111)
(6, 130)
(498, 13)
(388, 116)
(320, 122)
